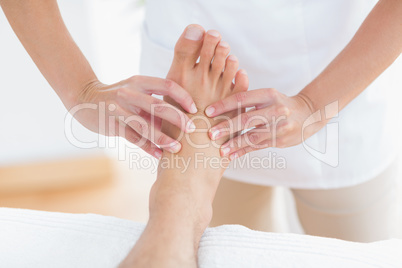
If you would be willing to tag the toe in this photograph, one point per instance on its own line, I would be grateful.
(241, 81)
(188, 47)
(218, 63)
(230, 70)
(211, 40)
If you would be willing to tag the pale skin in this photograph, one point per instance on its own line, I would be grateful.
(181, 199)
(279, 118)
(40, 28)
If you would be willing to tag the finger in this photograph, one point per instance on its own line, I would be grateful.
(251, 138)
(137, 139)
(248, 149)
(272, 114)
(165, 87)
(153, 121)
(141, 126)
(238, 100)
(158, 108)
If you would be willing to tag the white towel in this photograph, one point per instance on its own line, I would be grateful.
(31, 238)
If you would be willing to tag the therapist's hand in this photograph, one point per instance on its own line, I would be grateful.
(277, 121)
(124, 109)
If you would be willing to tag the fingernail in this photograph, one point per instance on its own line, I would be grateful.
(233, 156)
(190, 127)
(232, 58)
(193, 33)
(193, 108)
(174, 147)
(213, 33)
(223, 44)
(225, 151)
(215, 134)
(210, 111)
(158, 154)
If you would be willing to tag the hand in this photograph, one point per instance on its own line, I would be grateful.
(125, 108)
(277, 121)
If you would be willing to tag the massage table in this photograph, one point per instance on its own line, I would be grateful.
(30, 238)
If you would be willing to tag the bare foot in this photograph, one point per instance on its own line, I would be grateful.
(181, 198)
(207, 81)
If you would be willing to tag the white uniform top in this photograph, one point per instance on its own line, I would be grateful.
(285, 44)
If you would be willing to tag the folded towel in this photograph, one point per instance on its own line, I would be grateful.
(31, 238)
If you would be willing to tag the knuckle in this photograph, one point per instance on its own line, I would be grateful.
(134, 138)
(237, 143)
(282, 110)
(146, 147)
(244, 119)
(289, 127)
(253, 138)
(225, 125)
(162, 140)
(187, 99)
(135, 80)
(158, 106)
(221, 105)
(169, 84)
(271, 94)
(241, 97)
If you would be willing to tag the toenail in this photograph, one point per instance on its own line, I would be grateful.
(223, 44)
(232, 58)
(213, 33)
(210, 111)
(193, 33)
(243, 72)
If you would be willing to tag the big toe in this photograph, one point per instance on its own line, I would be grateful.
(188, 47)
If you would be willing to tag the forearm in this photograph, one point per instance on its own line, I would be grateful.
(374, 47)
(40, 28)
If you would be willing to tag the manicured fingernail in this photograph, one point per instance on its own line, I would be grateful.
(193, 108)
(190, 127)
(193, 33)
(225, 151)
(213, 33)
(174, 147)
(232, 58)
(223, 44)
(233, 156)
(215, 134)
(158, 154)
(210, 111)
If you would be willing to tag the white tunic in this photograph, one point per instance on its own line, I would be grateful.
(285, 44)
